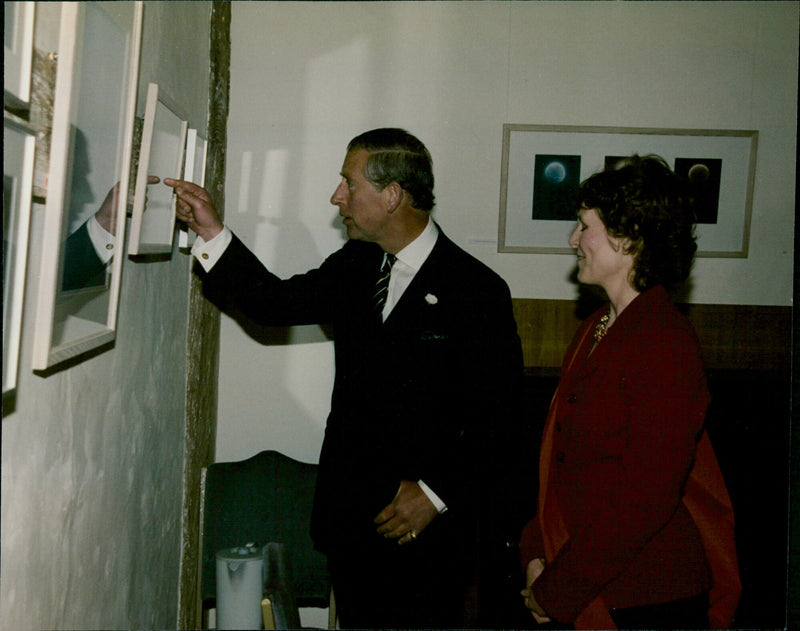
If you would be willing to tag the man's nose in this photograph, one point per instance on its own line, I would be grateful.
(337, 197)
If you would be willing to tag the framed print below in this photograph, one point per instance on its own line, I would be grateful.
(194, 170)
(18, 20)
(90, 151)
(19, 145)
(161, 154)
(543, 166)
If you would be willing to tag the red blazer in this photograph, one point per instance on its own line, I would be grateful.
(625, 432)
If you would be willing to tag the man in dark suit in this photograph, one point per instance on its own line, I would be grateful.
(426, 390)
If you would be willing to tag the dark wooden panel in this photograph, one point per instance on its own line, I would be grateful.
(733, 337)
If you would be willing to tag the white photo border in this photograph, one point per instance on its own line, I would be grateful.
(520, 232)
(153, 232)
(77, 336)
(19, 147)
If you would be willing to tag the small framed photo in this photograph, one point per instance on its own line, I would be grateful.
(19, 145)
(161, 154)
(194, 170)
(543, 166)
(18, 18)
(90, 153)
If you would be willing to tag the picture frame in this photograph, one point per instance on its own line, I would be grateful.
(543, 165)
(194, 170)
(90, 157)
(17, 53)
(19, 147)
(161, 153)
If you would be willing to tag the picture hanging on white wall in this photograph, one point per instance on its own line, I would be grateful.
(19, 145)
(194, 170)
(543, 166)
(161, 155)
(90, 152)
(18, 18)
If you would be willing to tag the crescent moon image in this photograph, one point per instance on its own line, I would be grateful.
(699, 174)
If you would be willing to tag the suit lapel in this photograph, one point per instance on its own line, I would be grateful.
(424, 289)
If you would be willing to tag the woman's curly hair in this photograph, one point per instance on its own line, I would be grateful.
(641, 199)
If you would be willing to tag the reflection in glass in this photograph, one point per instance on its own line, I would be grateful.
(94, 162)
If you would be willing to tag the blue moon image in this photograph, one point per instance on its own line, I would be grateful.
(555, 172)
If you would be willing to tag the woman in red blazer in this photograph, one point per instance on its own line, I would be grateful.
(634, 527)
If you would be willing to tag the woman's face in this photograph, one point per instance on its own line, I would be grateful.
(601, 258)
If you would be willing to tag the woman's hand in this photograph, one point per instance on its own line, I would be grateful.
(535, 568)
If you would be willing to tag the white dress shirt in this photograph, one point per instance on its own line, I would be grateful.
(102, 240)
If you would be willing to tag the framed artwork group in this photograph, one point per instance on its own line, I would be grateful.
(99, 194)
(543, 166)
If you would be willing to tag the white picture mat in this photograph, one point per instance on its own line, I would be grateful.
(18, 51)
(162, 150)
(19, 145)
(520, 233)
(94, 107)
(194, 171)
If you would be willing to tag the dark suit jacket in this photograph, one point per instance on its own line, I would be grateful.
(82, 266)
(627, 424)
(430, 394)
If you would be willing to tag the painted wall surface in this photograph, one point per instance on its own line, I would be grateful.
(307, 77)
(92, 456)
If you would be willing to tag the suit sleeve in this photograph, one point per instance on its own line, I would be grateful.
(239, 280)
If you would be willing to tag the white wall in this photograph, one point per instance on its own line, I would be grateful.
(92, 456)
(307, 77)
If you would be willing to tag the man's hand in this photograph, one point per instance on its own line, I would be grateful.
(194, 207)
(408, 515)
(535, 568)
(106, 215)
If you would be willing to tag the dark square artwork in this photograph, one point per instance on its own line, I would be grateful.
(704, 175)
(555, 181)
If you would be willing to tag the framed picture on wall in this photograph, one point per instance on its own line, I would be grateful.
(90, 152)
(161, 154)
(194, 170)
(19, 145)
(18, 18)
(543, 166)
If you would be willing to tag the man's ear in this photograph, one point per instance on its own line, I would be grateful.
(393, 195)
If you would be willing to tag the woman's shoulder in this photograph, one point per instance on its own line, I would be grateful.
(662, 332)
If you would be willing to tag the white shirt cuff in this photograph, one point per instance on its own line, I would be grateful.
(435, 499)
(102, 240)
(209, 252)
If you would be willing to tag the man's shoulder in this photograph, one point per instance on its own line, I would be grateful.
(463, 263)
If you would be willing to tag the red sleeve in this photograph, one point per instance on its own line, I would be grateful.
(531, 545)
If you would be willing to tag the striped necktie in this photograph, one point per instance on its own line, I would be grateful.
(382, 286)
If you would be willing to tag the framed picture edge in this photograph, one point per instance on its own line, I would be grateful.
(508, 128)
(135, 245)
(18, 93)
(45, 355)
(193, 141)
(13, 335)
